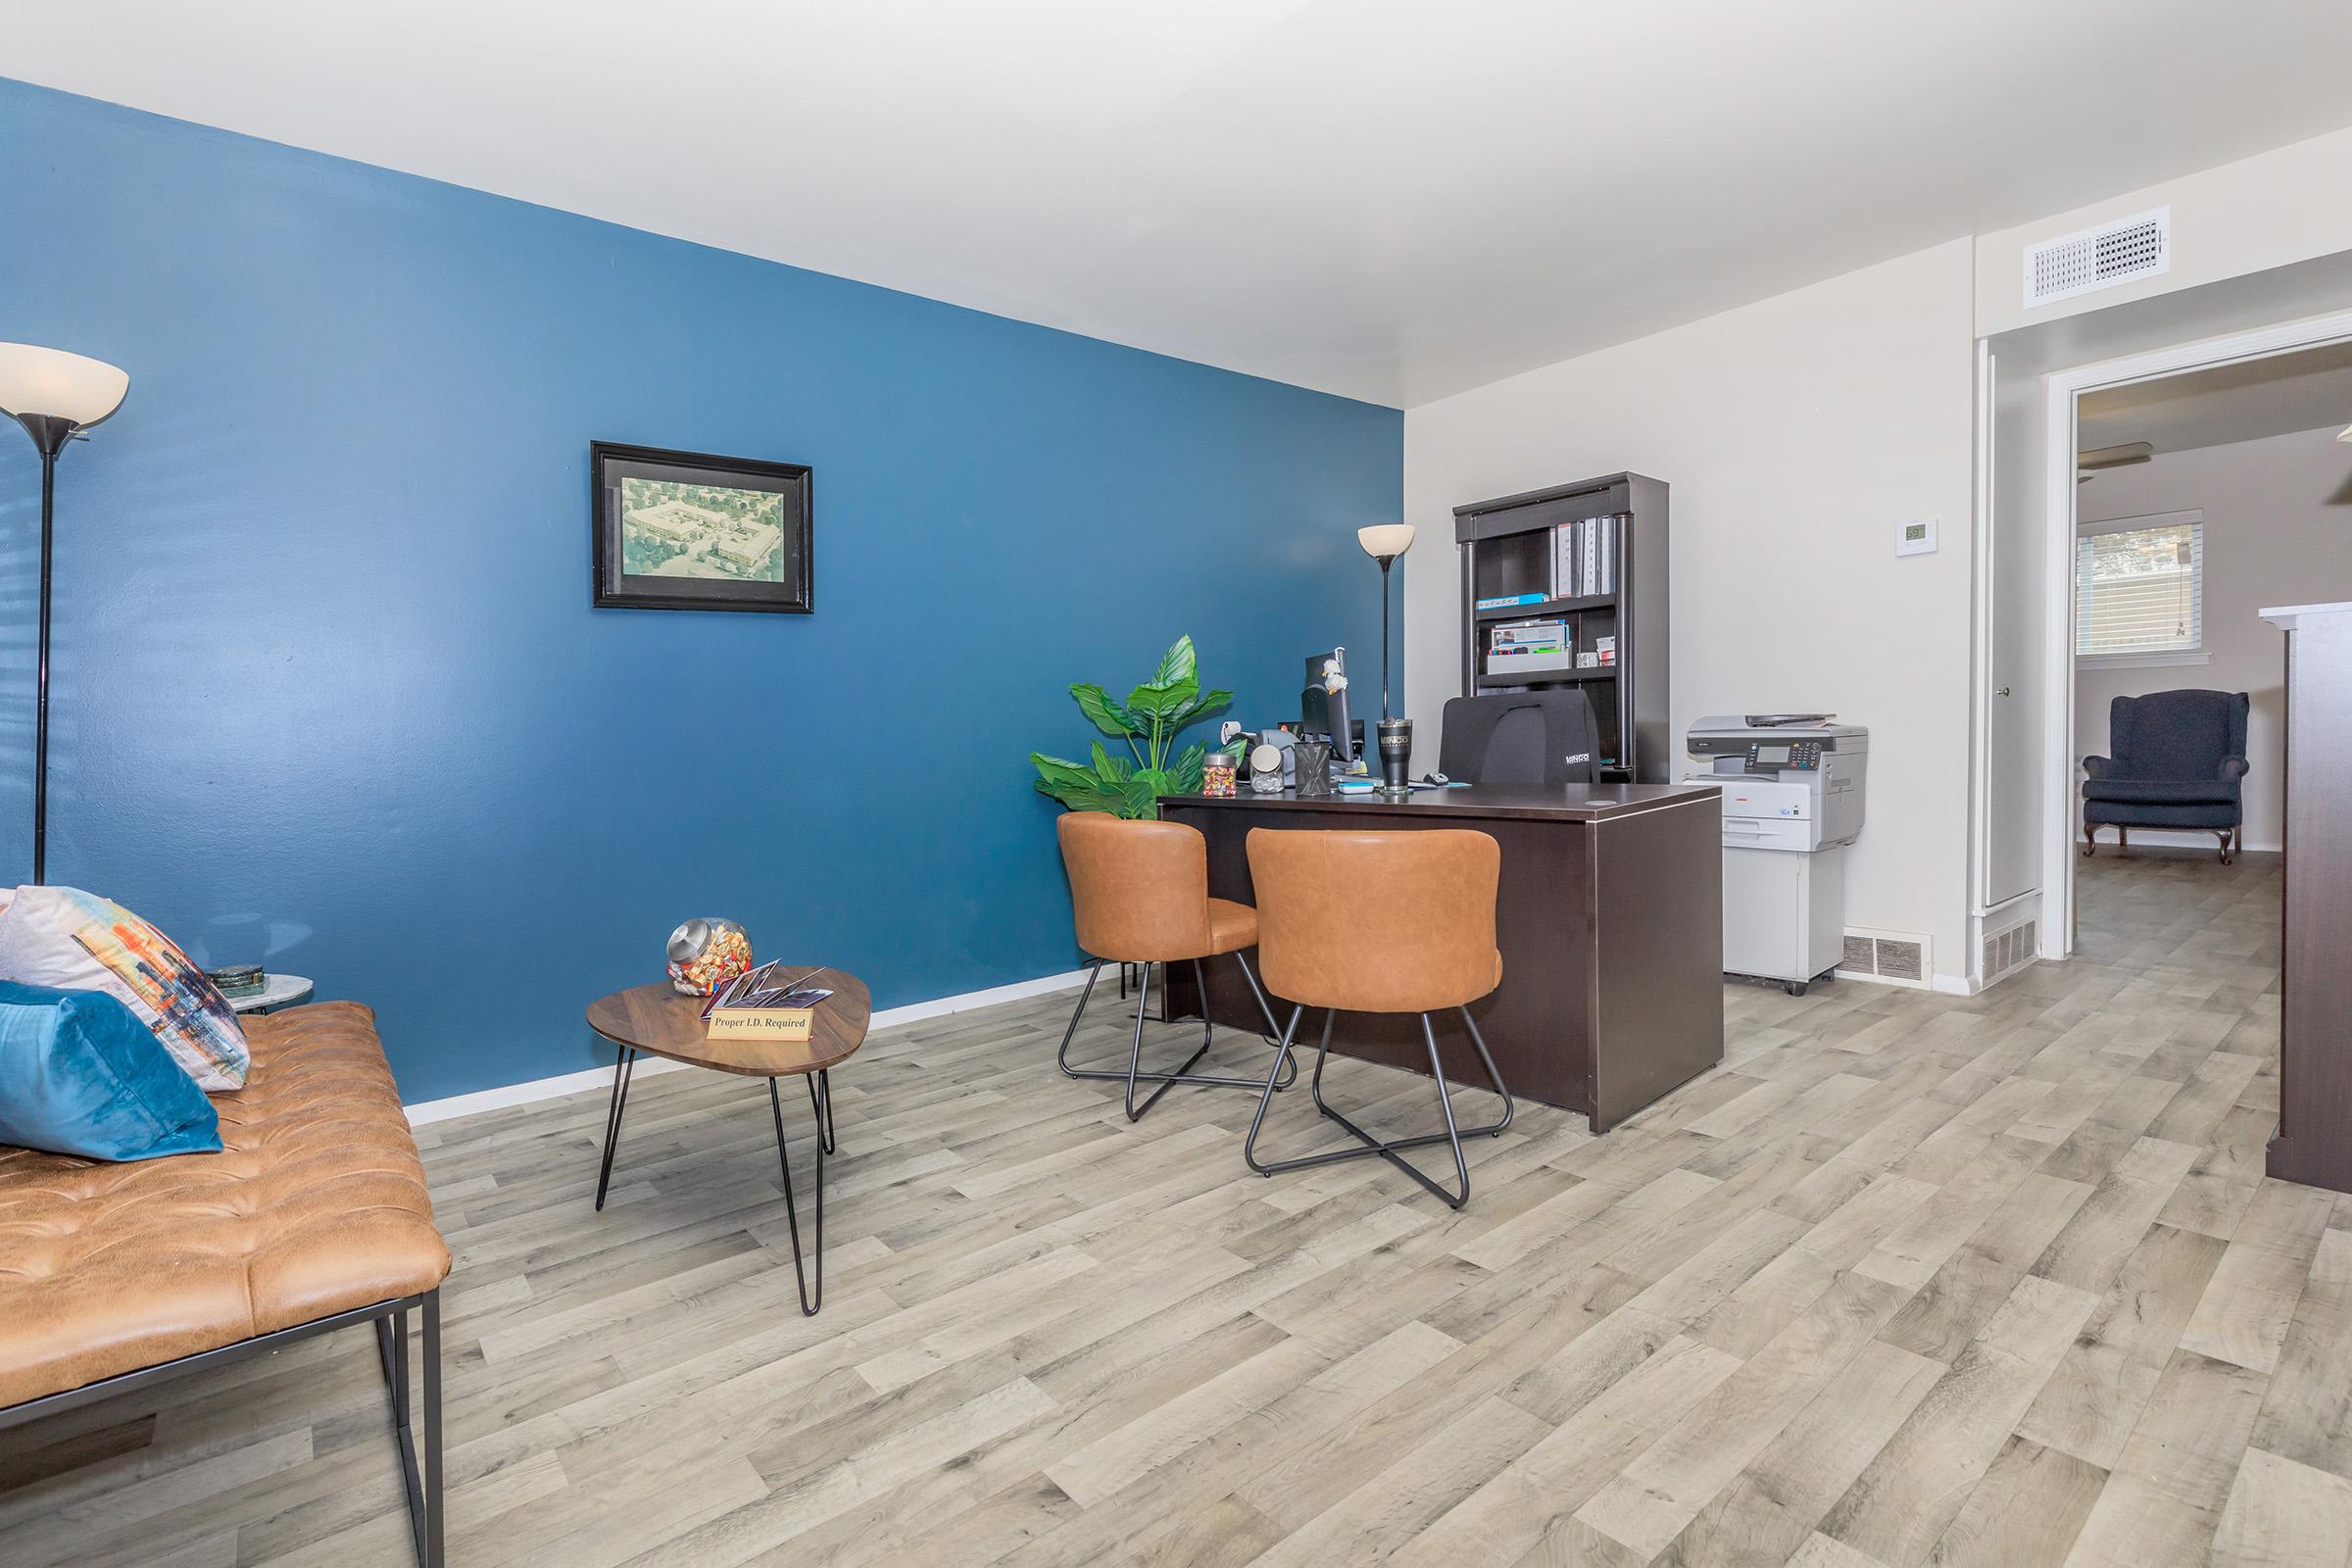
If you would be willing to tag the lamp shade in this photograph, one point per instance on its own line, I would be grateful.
(1383, 540)
(38, 382)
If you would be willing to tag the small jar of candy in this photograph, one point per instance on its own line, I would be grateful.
(1217, 773)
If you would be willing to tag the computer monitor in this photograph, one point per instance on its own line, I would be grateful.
(1325, 714)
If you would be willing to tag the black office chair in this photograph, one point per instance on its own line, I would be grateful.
(1539, 737)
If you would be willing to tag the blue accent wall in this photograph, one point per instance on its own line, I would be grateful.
(328, 692)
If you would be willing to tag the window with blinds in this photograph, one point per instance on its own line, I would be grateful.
(2139, 586)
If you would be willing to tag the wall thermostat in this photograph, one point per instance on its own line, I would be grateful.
(1915, 538)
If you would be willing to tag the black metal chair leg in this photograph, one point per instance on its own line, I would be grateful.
(1453, 1135)
(792, 1213)
(1282, 1055)
(1134, 1057)
(1273, 1029)
(430, 1550)
(1093, 972)
(1388, 1149)
(1314, 1086)
(623, 1068)
(1135, 1073)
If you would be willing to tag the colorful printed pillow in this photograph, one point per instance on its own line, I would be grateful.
(75, 941)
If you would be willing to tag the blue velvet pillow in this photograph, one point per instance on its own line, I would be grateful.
(81, 1075)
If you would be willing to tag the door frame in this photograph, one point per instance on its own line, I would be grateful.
(2063, 388)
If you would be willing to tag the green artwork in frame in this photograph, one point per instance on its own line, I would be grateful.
(684, 530)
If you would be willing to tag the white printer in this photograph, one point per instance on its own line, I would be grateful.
(1792, 788)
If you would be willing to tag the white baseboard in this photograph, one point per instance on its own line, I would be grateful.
(572, 1082)
(1951, 985)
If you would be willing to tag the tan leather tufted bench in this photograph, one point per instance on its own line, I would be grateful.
(313, 1217)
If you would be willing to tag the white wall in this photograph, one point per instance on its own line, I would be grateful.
(1796, 434)
(2277, 531)
(2275, 207)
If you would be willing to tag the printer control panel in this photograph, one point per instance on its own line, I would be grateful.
(1805, 755)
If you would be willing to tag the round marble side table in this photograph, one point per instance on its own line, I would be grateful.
(277, 990)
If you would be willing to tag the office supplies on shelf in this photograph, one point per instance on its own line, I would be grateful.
(1506, 600)
(1508, 663)
(1598, 550)
(1530, 634)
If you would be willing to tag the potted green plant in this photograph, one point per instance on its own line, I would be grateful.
(1147, 722)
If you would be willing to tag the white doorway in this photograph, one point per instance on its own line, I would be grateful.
(2064, 393)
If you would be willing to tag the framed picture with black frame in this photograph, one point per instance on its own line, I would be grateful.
(685, 530)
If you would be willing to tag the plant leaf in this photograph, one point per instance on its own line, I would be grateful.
(1060, 770)
(1205, 702)
(1177, 663)
(1142, 792)
(1111, 770)
(1108, 716)
(1154, 701)
(1083, 800)
(1187, 771)
(1078, 787)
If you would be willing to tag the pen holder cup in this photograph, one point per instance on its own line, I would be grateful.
(1313, 762)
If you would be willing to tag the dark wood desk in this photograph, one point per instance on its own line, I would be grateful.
(2314, 1145)
(1610, 915)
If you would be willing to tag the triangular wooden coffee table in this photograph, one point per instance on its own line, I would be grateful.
(656, 1021)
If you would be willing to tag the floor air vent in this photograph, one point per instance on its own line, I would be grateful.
(2099, 258)
(2008, 950)
(1891, 956)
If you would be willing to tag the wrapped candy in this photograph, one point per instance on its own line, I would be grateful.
(704, 955)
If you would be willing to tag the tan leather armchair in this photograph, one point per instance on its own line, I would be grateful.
(1378, 922)
(1140, 892)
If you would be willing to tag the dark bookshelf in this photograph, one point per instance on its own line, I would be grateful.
(1506, 548)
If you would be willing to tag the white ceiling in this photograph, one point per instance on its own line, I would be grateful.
(2210, 408)
(1394, 199)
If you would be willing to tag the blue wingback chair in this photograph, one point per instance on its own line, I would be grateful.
(2178, 758)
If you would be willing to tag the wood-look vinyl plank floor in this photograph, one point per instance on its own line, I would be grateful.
(1910, 1280)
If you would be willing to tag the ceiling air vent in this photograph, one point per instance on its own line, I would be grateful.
(2099, 258)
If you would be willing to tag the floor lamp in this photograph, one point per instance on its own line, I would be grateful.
(54, 396)
(1383, 542)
